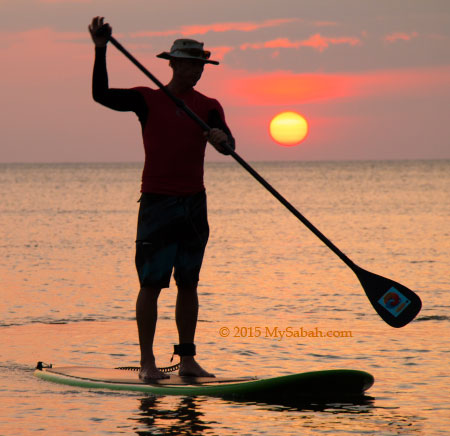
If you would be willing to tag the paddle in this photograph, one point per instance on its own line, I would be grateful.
(396, 304)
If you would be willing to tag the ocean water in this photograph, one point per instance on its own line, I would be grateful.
(68, 288)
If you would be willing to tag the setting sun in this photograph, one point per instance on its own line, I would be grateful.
(288, 128)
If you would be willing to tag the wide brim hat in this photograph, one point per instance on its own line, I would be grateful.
(188, 49)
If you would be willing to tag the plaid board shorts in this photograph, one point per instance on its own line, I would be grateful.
(172, 234)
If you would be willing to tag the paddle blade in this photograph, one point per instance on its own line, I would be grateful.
(395, 303)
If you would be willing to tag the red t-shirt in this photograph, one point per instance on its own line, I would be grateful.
(174, 143)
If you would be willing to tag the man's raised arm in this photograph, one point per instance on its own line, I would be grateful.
(117, 99)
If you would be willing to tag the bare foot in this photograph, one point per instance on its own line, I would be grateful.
(189, 367)
(151, 373)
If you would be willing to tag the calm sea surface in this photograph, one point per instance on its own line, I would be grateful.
(68, 288)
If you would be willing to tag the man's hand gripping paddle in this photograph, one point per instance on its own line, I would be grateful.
(396, 304)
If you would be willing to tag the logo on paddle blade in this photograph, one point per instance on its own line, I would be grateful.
(394, 302)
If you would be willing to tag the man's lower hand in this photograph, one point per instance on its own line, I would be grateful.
(216, 138)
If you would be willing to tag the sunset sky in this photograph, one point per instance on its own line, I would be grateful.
(371, 77)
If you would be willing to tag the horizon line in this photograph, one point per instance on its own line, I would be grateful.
(426, 159)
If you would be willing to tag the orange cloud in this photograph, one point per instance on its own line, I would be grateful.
(244, 26)
(317, 42)
(219, 52)
(287, 88)
(64, 1)
(322, 42)
(398, 36)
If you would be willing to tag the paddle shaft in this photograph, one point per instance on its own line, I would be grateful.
(396, 304)
(180, 103)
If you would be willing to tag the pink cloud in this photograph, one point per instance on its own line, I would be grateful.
(246, 26)
(38, 47)
(399, 36)
(317, 42)
(40, 40)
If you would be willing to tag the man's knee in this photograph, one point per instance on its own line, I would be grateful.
(187, 288)
(150, 292)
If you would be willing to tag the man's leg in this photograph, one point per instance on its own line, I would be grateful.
(146, 316)
(186, 314)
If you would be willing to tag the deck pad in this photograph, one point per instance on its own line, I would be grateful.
(109, 375)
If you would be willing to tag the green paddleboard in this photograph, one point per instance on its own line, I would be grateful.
(316, 384)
